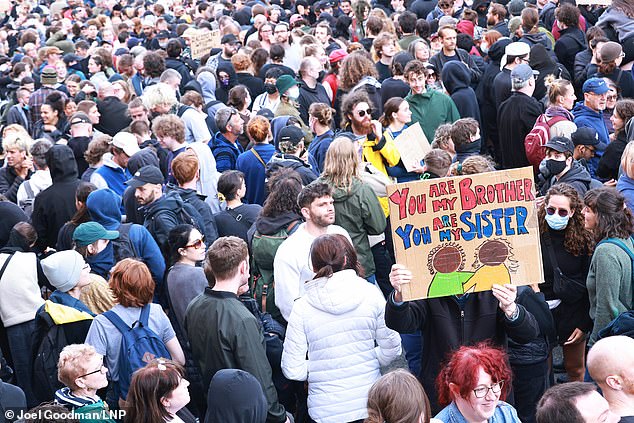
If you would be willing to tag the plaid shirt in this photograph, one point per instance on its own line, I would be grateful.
(36, 100)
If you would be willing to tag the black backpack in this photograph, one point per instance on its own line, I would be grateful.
(46, 355)
(123, 246)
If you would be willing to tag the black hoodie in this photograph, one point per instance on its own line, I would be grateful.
(486, 94)
(235, 396)
(308, 96)
(56, 204)
(570, 42)
(541, 60)
(457, 80)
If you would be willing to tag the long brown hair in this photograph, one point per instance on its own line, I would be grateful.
(332, 253)
(341, 166)
(614, 220)
(577, 240)
(148, 386)
(391, 106)
(354, 68)
(625, 6)
(625, 109)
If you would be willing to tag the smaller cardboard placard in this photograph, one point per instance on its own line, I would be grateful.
(202, 43)
(413, 145)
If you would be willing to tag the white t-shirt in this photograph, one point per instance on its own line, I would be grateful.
(292, 268)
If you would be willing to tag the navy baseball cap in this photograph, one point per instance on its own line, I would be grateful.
(596, 86)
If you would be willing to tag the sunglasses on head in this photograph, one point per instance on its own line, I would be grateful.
(362, 113)
(552, 210)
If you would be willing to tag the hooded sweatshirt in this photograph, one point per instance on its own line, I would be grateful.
(431, 109)
(103, 206)
(571, 41)
(340, 369)
(226, 398)
(39, 181)
(584, 116)
(457, 80)
(358, 211)
(308, 96)
(577, 177)
(56, 205)
(542, 61)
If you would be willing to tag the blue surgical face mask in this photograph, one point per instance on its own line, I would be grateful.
(556, 222)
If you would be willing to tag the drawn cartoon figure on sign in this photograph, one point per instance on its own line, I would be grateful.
(494, 264)
(446, 262)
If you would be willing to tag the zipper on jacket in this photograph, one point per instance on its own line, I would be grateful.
(461, 327)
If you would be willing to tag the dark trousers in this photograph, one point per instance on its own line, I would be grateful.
(529, 384)
(21, 344)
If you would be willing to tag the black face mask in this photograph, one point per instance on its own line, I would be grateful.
(322, 75)
(270, 88)
(555, 166)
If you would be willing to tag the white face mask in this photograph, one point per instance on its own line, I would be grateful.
(293, 93)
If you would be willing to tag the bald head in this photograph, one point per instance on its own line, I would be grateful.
(610, 361)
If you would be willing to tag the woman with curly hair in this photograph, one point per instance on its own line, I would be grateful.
(53, 122)
(609, 280)
(358, 72)
(566, 249)
(473, 385)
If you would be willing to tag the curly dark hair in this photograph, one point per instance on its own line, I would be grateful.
(284, 186)
(153, 65)
(354, 68)
(614, 220)
(577, 240)
(350, 101)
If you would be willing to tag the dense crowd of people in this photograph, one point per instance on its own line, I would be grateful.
(203, 234)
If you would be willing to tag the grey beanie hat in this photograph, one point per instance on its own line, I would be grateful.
(63, 269)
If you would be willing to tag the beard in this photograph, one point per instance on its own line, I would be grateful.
(491, 21)
(363, 127)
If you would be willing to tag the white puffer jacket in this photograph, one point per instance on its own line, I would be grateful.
(337, 322)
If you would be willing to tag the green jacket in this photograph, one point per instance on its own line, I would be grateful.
(431, 109)
(609, 285)
(223, 334)
(94, 413)
(359, 212)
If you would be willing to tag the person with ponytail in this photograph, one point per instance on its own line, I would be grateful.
(609, 280)
(339, 368)
(611, 57)
(561, 100)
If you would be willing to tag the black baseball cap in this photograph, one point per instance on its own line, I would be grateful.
(79, 117)
(560, 144)
(291, 134)
(146, 175)
(229, 39)
(162, 35)
(585, 136)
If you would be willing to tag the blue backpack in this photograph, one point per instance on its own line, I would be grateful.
(139, 346)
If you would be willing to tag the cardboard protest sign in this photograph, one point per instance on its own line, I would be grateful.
(203, 42)
(594, 2)
(413, 145)
(464, 234)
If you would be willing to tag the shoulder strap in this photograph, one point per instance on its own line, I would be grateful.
(292, 227)
(145, 315)
(554, 120)
(622, 245)
(117, 321)
(6, 263)
(238, 217)
(257, 155)
(551, 250)
(618, 78)
(124, 229)
(29, 190)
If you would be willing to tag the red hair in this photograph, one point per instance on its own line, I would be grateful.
(131, 283)
(463, 367)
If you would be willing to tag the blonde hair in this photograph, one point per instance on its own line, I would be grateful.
(72, 363)
(627, 160)
(556, 87)
(16, 137)
(158, 94)
(341, 166)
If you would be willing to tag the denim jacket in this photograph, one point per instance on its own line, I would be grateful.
(504, 413)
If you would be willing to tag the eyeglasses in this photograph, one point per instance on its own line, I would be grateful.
(99, 370)
(611, 98)
(199, 243)
(560, 212)
(362, 113)
(482, 391)
(445, 6)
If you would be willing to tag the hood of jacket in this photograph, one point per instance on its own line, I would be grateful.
(169, 201)
(268, 225)
(61, 163)
(577, 173)
(340, 194)
(226, 398)
(208, 175)
(104, 208)
(625, 183)
(583, 110)
(336, 294)
(536, 38)
(540, 58)
(193, 85)
(144, 157)
(207, 82)
(62, 314)
(276, 126)
(496, 51)
(40, 180)
(455, 75)
(185, 193)
(554, 111)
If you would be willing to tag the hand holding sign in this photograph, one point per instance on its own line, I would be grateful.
(399, 275)
(506, 295)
